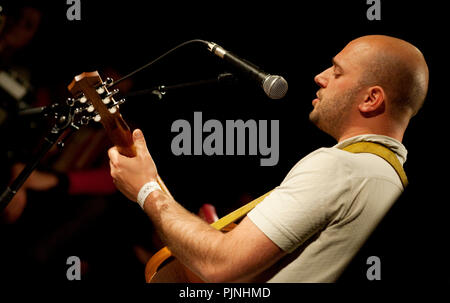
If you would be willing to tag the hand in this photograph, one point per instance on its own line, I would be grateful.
(130, 174)
(37, 180)
(15, 208)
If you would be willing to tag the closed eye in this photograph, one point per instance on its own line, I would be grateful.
(337, 69)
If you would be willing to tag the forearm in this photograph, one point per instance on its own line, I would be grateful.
(196, 244)
(213, 256)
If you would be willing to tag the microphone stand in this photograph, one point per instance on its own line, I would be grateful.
(63, 116)
(161, 90)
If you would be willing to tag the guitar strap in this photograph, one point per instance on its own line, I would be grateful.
(381, 151)
(358, 147)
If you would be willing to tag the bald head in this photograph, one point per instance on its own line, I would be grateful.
(398, 67)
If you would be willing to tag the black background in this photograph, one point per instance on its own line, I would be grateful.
(294, 39)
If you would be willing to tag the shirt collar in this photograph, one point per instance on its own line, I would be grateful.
(393, 144)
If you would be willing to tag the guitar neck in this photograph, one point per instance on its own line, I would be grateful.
(130, 151)
(120, 135)
(124, 137)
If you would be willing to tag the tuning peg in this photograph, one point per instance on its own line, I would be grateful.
(106, 100)
(97, 118)
(108, 82)
(78, 110)
(120, 102)
(100, 90)
(90, 108)
(109, 95)
(113, 109)
(70, 102)
(84, 120)
(82, 99)
(114, 106)
(113, 92)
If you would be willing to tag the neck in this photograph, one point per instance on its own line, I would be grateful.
(356, 131)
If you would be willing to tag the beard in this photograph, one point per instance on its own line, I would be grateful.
(330, 113)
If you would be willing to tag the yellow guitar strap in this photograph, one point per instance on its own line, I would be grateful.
(381, 151)
(358, 147)
(238, 213)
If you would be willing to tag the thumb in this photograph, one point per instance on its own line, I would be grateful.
(139, 140)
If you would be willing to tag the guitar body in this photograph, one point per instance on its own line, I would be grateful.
(164, 268)
(171, 272)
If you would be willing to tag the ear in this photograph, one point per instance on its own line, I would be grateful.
(373, 103)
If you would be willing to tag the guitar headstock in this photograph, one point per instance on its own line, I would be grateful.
(93, 101)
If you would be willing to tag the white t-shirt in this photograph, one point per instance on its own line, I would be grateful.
(326, 208)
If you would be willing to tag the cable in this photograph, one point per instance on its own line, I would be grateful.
(157, 59)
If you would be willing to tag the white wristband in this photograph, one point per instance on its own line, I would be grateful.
(145, 190)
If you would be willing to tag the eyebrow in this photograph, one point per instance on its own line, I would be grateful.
(333, 61)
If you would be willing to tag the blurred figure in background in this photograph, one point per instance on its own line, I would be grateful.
(69, 204)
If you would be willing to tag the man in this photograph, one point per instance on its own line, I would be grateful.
(311, 226)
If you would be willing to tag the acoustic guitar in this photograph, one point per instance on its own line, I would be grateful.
(95, 102)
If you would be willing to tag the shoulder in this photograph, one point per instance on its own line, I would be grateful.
(313, 193)
(330, 163)
(323, 179)
(326, 162)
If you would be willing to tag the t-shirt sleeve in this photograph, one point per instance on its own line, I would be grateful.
(310, 196)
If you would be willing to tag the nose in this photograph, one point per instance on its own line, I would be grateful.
(322, 79)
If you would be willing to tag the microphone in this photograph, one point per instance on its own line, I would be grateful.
(274, 86)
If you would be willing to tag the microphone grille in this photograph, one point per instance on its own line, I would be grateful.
(275, 87)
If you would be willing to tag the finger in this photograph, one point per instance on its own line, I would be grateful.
(139, 141)
(113, 155)
(112, 169)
